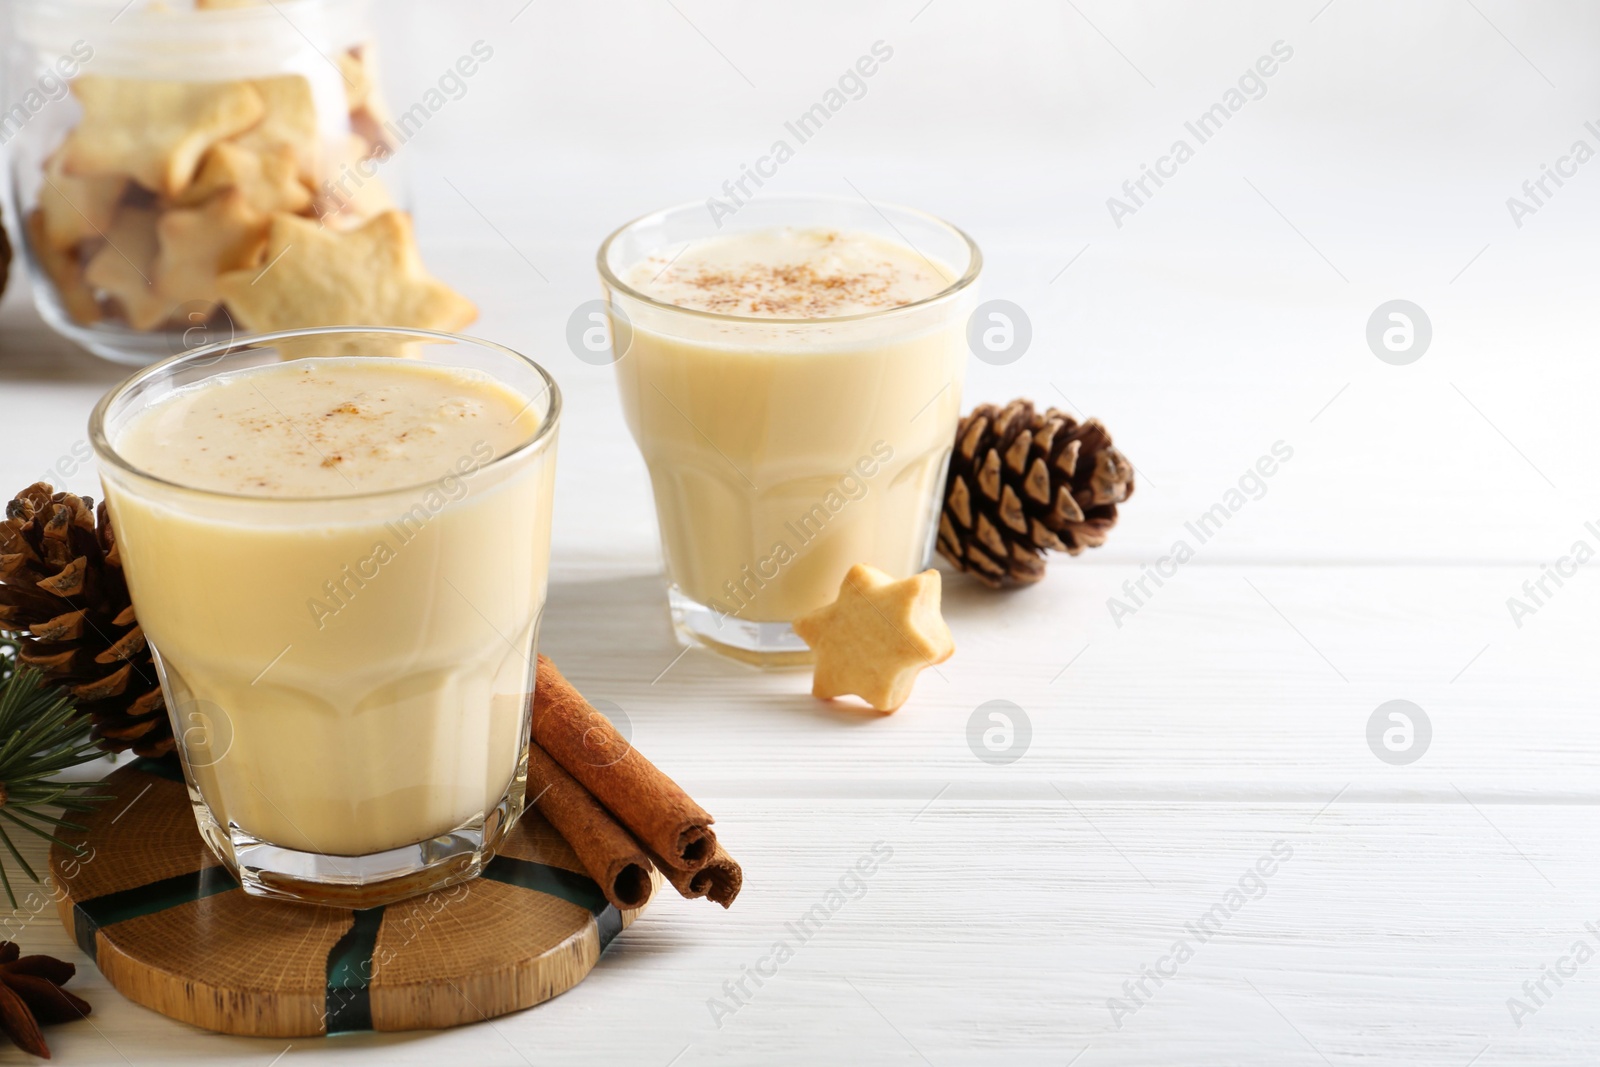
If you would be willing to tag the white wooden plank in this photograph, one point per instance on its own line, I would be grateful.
(1206, 688)
(1394, 933)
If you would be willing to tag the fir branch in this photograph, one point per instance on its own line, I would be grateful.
(41, 735)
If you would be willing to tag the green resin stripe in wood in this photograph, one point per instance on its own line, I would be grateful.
(350, 961)
(349, 996)
(166, 767)
(350, 966)
(570, 886)
(90, 915)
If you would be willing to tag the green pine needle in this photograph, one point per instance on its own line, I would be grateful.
(5, 838)
(41, 735)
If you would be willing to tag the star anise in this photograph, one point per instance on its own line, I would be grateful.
(31, 993)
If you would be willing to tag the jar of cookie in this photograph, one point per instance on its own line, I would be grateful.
(185, 171)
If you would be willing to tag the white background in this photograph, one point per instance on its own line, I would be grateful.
(1230, 711)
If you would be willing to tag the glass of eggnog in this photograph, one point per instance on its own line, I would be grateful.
(791, 371)
(340, 564)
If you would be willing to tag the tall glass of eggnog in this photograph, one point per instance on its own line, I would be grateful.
(340, 564)
(791, 370)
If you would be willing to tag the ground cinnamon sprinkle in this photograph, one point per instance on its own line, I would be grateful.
(790, 291)
(789, 273)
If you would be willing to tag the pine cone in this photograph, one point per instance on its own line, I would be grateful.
(1022, 483)
(63, 595)
(5, 254)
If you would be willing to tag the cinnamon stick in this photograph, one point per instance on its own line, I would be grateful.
(608, 852)
(720, 879)
(652, 806)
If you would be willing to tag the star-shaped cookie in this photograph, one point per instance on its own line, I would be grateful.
(125, 264)
(198, 245)
(155, 131)
(875, 639)
(316, 276)
(290, 120)
(356, 67)
(77, 209)
(350, 198)
(62, 268)
(269, 180)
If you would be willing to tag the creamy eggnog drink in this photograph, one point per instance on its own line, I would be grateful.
(341, 565)
(794, 388)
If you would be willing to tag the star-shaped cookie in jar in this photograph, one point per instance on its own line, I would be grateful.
(875, 639)
(321, 276)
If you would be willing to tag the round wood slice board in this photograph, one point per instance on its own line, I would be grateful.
(170, 928)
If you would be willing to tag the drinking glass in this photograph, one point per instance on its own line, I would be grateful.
(348, 677)
(783, 451)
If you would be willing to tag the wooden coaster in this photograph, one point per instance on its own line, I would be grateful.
(170, 928)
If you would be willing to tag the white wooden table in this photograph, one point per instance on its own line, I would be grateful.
(1228, 715)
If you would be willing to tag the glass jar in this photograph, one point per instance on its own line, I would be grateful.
(154, 146)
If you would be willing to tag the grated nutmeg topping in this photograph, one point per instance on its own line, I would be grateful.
(784, 273)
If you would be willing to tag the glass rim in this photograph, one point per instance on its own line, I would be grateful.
(178, 15)
(970, 275)
(106, 453)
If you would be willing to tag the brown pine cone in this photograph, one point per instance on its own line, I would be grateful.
(1022, 483)
(31, 993)
(63, 597)
(5, 254)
